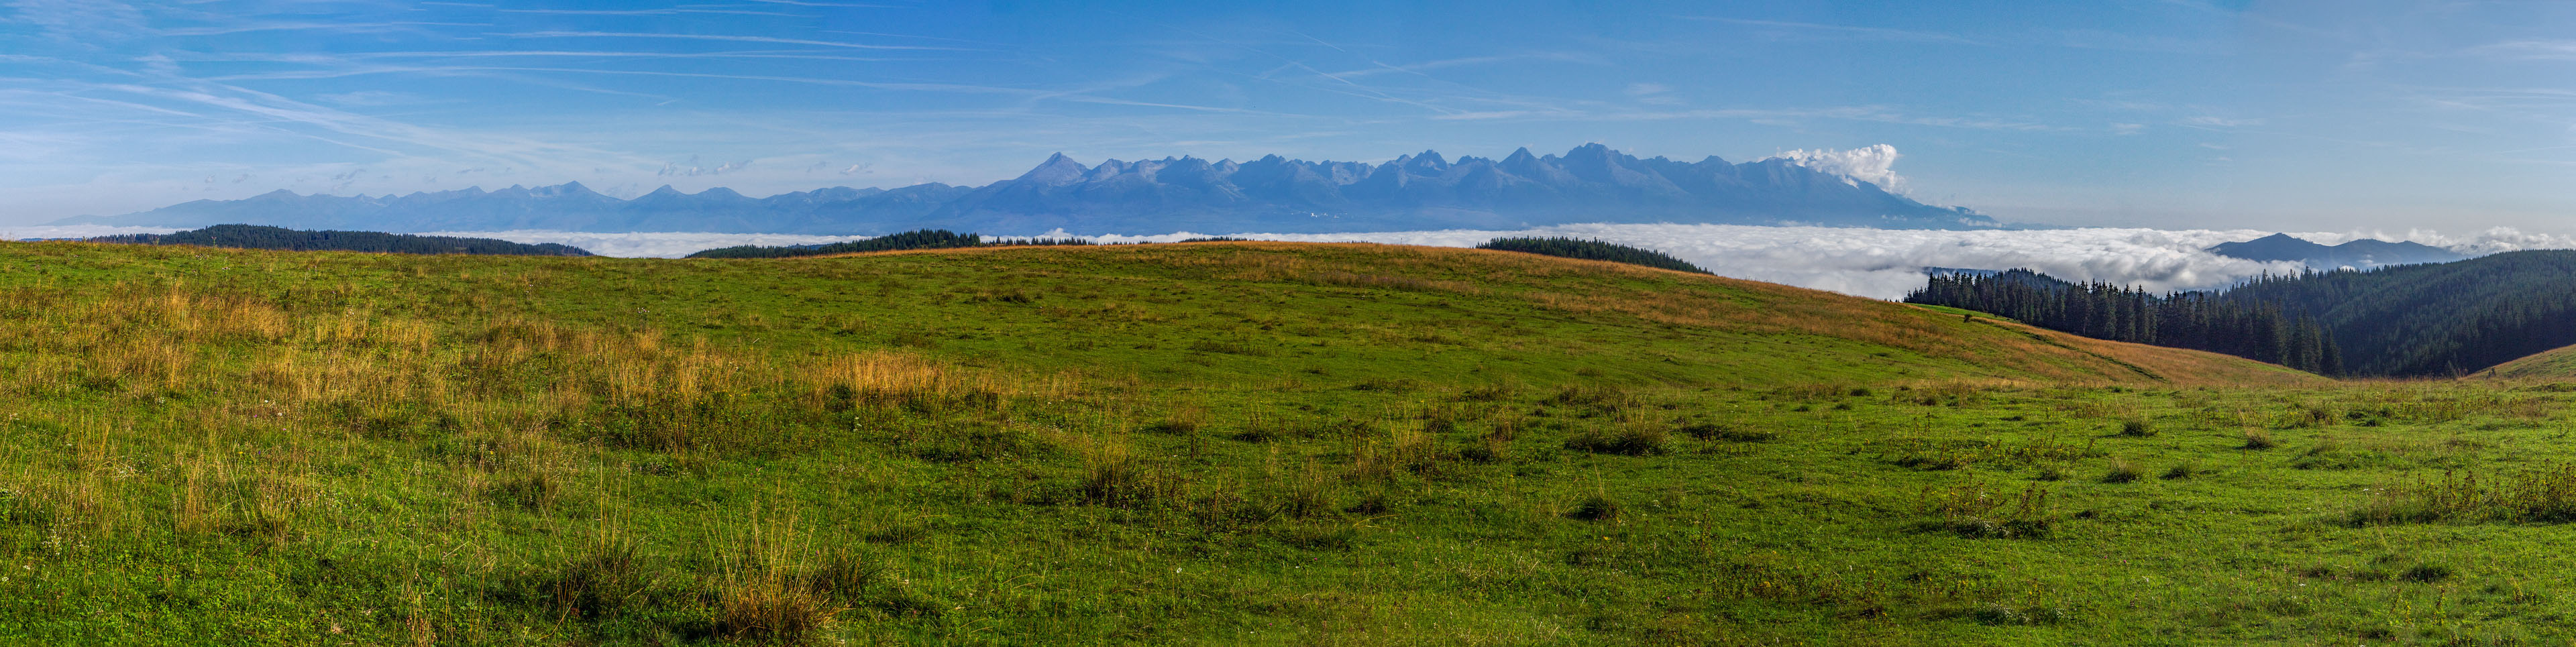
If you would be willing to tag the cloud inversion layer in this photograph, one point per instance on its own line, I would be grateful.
(1879, 263)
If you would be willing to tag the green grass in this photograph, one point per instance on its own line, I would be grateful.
(1202, 444)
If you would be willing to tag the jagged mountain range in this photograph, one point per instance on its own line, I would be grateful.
(1591, 183)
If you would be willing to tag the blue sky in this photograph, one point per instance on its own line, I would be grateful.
(2175, 113)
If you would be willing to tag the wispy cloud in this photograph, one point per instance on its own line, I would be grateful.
(337, 27)
(2549, 50)
(1377, 68)
(842, 5)
(370, 98)
(1816, 30)
(1879, 114)
(1653, 93)
(717, 37)
(81, 22)
(2214, 121)
(669, 11)
(461, 69)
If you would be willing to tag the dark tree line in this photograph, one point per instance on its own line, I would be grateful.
(264, 237)
(2249, 328)
(1592, 250)
(917, 239)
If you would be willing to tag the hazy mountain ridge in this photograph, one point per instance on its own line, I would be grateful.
(2357, 254)
(1591, 183)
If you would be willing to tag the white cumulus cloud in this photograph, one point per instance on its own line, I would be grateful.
(1873, 164)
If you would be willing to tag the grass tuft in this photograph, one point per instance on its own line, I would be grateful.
(1627, 440)
(1598, 507)
(2121, 472)
(2257, 438)
(2136, 427)
(2182, 470)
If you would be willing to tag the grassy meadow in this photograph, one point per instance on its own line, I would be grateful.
(1220, 443)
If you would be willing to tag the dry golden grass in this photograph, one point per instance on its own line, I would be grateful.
(251, 388)
(770, 594)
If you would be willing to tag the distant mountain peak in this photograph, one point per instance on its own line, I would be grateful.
(1056, 170)
(566, 189)
(1274, 193)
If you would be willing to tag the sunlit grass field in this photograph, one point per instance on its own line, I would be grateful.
(1225, 443)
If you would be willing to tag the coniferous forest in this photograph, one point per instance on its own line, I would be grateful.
(2250, 328)
(2434, 319)
(1591, 250)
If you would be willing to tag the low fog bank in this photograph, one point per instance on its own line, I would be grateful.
(58, 232)
(1886, 263)
(653, 244)
(1881, 263)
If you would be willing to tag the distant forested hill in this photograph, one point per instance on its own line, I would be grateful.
(262, 237)
(2399, 321)
(2359, 254)
(916, 239)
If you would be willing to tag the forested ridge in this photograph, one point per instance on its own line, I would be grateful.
(265, 237)
(2435, 319)
(2251, 329)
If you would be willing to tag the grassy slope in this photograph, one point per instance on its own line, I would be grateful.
(2556, 364)
(1215, 444)
(1435, 313)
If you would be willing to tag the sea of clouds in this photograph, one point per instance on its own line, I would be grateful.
(1886, 263)
(650, 244)
(1880, 263)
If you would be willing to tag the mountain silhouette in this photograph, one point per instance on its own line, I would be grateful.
(1591, 183)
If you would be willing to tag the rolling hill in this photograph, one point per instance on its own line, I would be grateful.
(2553, 365)
(1226, 442)
(1700, 329)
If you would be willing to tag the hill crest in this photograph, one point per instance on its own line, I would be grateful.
(1746, 332)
